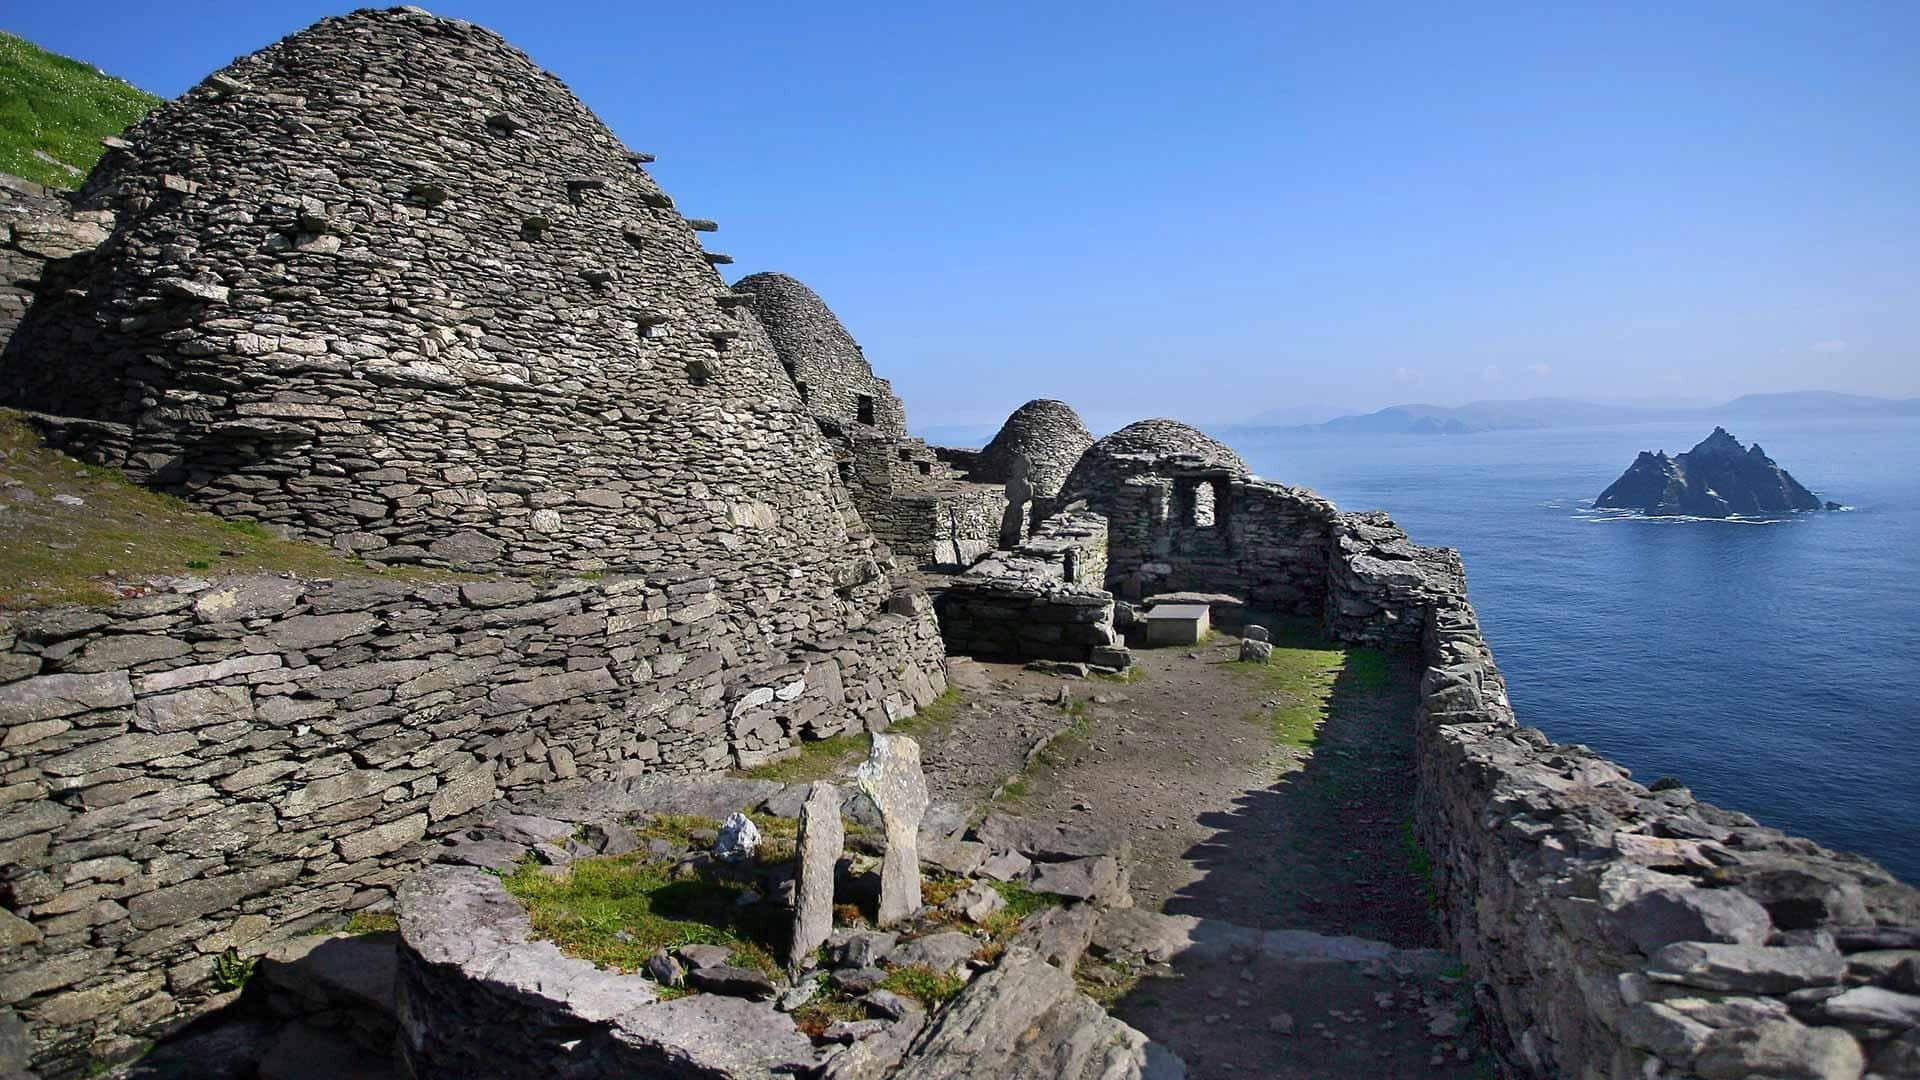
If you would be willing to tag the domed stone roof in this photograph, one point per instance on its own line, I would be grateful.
(389, 284)
(1147, 447)
(1049, 434)
(820, 357)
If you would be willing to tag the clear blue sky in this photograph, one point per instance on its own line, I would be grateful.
(1208, 211)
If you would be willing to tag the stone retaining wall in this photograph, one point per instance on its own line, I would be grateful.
(1618, 930)
(226, 765)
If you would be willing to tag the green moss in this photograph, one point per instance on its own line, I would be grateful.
(1128, 677)
(675, 829)
(617, 911)
(816, 1016)
(1022, 901)
(923, 984)
(61, 108)
(122, 532)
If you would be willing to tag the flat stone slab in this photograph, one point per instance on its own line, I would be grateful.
(1177, 624)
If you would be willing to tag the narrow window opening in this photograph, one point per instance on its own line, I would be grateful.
(802, 387)
(696, 374)
(906, 455)
(1203, 506)
(926, 468)
(863, 410)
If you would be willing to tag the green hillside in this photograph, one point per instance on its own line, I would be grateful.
(61, 108)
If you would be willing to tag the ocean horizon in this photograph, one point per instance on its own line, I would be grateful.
(1773, 665)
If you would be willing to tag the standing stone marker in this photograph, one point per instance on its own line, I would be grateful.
(821, 835)
(891, 777)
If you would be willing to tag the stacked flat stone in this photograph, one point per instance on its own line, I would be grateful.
(820, 355)
(231, 764)
(1146, 447)
(1048, 434)
(38, 226)
(388, 284)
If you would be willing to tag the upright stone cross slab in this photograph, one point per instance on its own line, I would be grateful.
(821, 836)
(891, 777)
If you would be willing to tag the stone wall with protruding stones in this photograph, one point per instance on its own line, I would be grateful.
(224, 765)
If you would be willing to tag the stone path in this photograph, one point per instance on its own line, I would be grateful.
(1239, 835)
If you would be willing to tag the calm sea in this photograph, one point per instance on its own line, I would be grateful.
(1774, 667)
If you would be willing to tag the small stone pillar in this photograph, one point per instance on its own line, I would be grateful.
(891, 777)
(821, 836)
(1019, 490)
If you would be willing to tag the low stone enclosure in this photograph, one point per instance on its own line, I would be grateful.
(964, 988)
(214, 766)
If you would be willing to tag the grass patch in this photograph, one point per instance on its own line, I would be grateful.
(616, 911)
(61, 108)
(1300, 676)
(1127, 677)
(372, 922)
(122, 533)
(676, 829)
(1022, 901)
(1419, 862)
(923, 984)
(934, 716)
(824, 759)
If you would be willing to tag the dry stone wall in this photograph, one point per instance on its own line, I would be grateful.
(1041, 602)
(1048, 434)
(38, 227)
(819, 355)
(217, 765)
(387, 284)
(1614, 929)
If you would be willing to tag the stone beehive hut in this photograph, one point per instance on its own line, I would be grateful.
(1147, 448)
(828, 368)
(389, 284)
(1048, 434)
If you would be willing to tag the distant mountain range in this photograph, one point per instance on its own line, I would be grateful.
(1566, 412)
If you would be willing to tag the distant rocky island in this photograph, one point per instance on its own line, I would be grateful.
(1717, 478)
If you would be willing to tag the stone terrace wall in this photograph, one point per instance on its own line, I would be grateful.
(1617, 930)
(1039, 603)
(226, 765)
